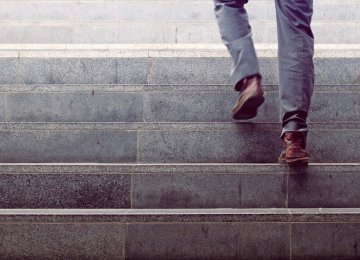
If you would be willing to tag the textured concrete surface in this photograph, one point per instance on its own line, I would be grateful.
(334, 145)
(240, 145)
(146, 215)
(75, 107)
(202, 107)
(176, 70)
(68, 146)
(8, 71)
(347, 71)
(65, 191)
(149, 215)
(121, 168)
(200, 168)
(133, 70)
(324, 190)
(172, 31)
(157, 64)
(160, 103)
(309, 215)
(178, 186)
(62, 71)
(327, 215)
(230, 241)
(3, 106)
(191, 71)
(62, 241)
(209, 191)
(335, 106)
(243, 145)
(164, 142)
(179, 234)
(145, 10)
(325, 241)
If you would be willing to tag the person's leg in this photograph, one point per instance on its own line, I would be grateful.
(296, 71)
(236, 34)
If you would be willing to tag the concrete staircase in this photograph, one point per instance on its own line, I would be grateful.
(128, 150)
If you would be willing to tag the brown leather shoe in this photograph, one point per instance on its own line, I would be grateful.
(251, 97)
(294, 152)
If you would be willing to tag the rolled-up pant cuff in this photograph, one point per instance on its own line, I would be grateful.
(294, 126)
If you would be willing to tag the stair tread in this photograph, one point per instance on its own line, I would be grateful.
(159, 50)
(183, 215)
(166, 126)
(169, 168)
(29, 64)
(101, 88)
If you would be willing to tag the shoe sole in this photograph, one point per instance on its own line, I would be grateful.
(302, 161)
(247, 107)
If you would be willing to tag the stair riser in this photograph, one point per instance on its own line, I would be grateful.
(258, 241)
(158, 10)
(187, 240)
(162, 32)
(158, 70)
(309, 188)
(62, 241)
(247, 143)
(65, 191)
(69, 146)
(329, 104)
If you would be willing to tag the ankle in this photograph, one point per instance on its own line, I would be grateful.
(242, 84)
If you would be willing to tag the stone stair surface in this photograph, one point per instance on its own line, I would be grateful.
(139, 103)
(157, 21)
(154, 104)
(177, 211)
(178, 186)
(180, 234)
(116, 138)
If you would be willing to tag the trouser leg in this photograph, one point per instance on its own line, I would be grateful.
(296, 68)
(237, 36)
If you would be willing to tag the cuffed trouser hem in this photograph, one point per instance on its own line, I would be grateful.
(294, 127)
(295, 122)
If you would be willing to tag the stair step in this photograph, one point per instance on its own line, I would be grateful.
(171, 186)
(155, 10)
(161, 103)
(169, 142)
(179, 234)
(157, 64)
(130, 32)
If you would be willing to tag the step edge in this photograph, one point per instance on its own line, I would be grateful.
(172, 168)
(155, 88)
(158, 51)
(166, 126)
(204, 211)
(308, 215)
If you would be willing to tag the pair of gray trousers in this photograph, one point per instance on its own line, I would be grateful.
(295, 53)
